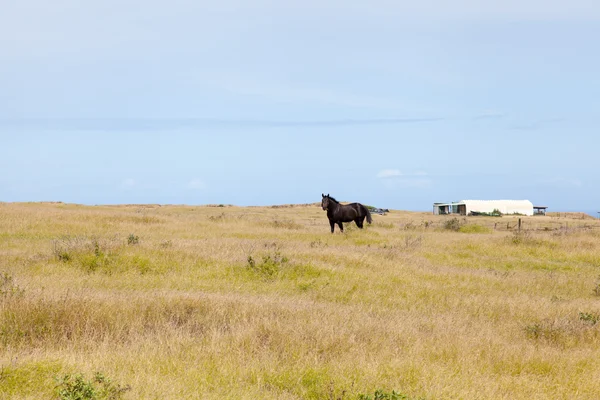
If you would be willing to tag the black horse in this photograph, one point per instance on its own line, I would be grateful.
(338, 213)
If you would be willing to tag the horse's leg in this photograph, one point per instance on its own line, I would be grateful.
(332, 224)
(359, 222)
(341, 226)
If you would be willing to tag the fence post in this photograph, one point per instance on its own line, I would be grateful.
(519, 224)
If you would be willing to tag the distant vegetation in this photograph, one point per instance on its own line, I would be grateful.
(494, 213)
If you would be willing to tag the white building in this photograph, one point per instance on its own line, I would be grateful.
(465, 207)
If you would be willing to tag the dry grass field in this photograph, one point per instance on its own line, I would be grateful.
(179, 302)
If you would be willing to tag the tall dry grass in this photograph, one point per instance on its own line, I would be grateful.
(246, 303)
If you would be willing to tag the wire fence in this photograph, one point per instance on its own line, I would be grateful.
(506, 224)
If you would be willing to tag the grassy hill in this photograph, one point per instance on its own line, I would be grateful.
(172, 302)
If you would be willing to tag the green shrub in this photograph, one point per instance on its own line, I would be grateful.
(590, 318)
(495, 213)
(268, 267)
(133, 239)
(76, 387)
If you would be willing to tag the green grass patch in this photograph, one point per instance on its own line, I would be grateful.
(29, 379)
(78, 387)
(310, 383)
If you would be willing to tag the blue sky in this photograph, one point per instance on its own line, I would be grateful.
(392, 103)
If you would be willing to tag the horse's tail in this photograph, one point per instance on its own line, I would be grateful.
(367, 213)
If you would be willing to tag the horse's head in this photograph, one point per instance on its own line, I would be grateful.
(325, 201)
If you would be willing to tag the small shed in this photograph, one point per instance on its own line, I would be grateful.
(442, 208)
(539, 210)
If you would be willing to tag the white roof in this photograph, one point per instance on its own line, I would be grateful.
(504, 206)
(517, 203)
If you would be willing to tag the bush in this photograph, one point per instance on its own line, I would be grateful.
(590, 318)
(67, 248)
(452, 225)
(133, 239)
(269, 267)
(76, 387)
(522, 237)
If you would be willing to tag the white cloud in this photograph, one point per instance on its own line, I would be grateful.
(394, 178)
(396, 173)
(196, 184)
(389, 173)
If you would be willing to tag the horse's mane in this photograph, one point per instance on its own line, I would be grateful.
(332, 199)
